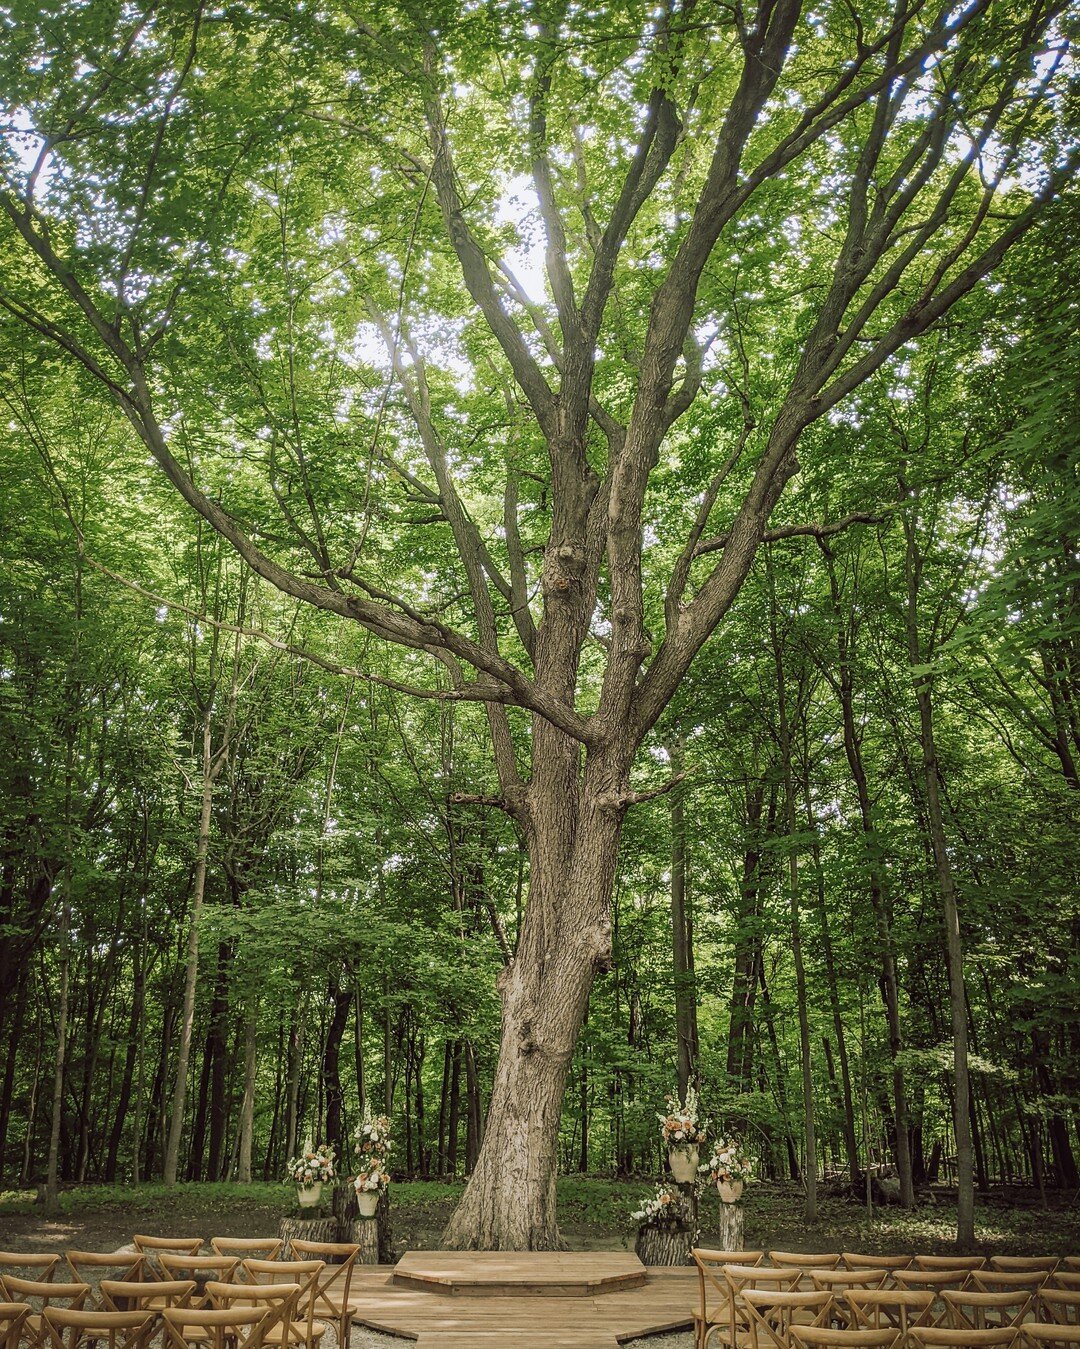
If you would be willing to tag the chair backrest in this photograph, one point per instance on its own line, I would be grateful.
(1012, 1263)
(889, 1308)
(125, 1265)
(838, 1280)
(950, 1261)
(12, 1316)
(29, 1266)
(1066, 1278)
(199, 1267)
(67, 1329)
(170, 1245)
(1034, 1334)
(789, 1258)
(828, 1337)
(221, 1327)
(941, 1337)
(40, 1294)
(770, 1314)
(1002, 1281)
(250, 1248)
(334, 1283)
(856, 1260)
(283, 1297)
(1059, 1306)
(974, 1310)
(122, 1295)
(306, 1273)
(931, 1278)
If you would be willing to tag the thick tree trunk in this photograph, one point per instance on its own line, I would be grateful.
(509, 1203)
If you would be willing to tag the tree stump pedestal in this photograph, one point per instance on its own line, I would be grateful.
(372, 1235)
(670, 1243)
(309, 1225)
(730, 1226)
(664, 1244)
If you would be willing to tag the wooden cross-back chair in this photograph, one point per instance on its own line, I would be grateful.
(200, 1268)
(889, 1309)
(306, 1273)
(67, 1328)
(334, 1285)
(86, 1265)
(286, 1297)
(222, 1328)
(971, 1309)
(713, 1298)
(770, 1314)
(12, 1316)
(120, 1295)
(1008, 1281)
(38, 1295)
(733, 1325)
(24, 1265)
(1058, 1305)
(934, 1279)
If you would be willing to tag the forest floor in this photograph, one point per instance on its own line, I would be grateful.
(594, 1214)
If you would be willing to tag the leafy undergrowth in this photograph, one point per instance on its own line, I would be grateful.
(594, 1213)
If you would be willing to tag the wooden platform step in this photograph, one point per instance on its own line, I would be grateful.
(497, 1339)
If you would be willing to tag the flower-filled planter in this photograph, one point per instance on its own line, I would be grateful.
(729, 1168)
(369, 1187)
(372, 1149)
(684, 1133)
(309, 1172)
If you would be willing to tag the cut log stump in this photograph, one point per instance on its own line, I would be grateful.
(668, 1244)
(323, 1228)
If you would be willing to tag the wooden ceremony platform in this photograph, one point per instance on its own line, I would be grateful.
(528, 1300)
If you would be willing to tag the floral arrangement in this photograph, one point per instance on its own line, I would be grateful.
(729, 1164)
(372, 1148)
(314, 1166)
(372, 1181)
(681, 1127)
(667, 1206)
(372, 1138)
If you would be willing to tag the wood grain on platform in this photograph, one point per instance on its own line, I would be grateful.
(526, 1315)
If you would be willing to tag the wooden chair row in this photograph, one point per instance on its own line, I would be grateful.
(269, 1319)
(957, 1301)
(145, 1261)
(200, 1283)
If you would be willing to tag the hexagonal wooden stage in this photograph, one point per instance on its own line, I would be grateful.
(522, 1300)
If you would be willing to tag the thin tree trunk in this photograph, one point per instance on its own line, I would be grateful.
(191, 967)
(247, 1108)
(805, 1059)
(682, 939)
(844, 687)
(52, 1182)
(954, 950)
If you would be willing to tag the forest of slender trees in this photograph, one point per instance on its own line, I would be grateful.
(539, 564)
